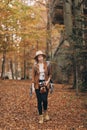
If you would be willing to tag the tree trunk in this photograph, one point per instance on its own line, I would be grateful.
(16, 70)
(24, 62)
(48, 38)
(3, 65)
(24, 69)
(11, 67)
(77, 14)
(68, 29)
(68, 17)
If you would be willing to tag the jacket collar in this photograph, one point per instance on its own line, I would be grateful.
(37, 65)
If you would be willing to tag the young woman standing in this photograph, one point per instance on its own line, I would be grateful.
(41, 75)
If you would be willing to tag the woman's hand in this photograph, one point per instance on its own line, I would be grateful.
(47, 82)
(33, 89)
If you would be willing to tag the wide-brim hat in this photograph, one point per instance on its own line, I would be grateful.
(39, 53)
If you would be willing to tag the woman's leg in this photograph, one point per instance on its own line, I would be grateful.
(45, 105)
(39, 101)
(44, 97)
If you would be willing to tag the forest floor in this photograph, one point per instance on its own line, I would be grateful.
(18, 111)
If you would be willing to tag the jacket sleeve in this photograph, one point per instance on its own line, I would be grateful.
(33, 74)
(50, 71)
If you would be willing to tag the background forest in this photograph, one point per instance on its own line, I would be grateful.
(58, 27)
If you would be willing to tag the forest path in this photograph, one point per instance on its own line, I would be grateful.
(18, 111)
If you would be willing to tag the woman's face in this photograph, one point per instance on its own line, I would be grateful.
(40, 58)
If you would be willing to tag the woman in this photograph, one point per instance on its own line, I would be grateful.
(41, 76)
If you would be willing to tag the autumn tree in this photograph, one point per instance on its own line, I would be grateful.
(26, 30)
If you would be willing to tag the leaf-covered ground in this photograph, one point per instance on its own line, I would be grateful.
(19, 112)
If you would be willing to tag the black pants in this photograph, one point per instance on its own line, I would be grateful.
(42, 100)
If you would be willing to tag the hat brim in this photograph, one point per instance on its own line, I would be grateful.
(38, 55)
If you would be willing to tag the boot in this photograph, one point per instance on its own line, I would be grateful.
(41, 119)
(46, 116)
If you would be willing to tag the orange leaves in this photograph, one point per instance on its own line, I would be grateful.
(19, 111)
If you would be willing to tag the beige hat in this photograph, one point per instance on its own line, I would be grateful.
(39, 53)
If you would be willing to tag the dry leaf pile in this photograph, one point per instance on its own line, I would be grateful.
(18, 111)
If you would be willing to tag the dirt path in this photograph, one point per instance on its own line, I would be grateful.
(19, 112)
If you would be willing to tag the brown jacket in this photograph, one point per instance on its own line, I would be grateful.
(35, 74)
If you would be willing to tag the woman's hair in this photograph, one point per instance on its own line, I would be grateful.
(37, 59)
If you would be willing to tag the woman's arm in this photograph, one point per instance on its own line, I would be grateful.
(33, 74)
(49, 67)
(49, 71)
(33, 78)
